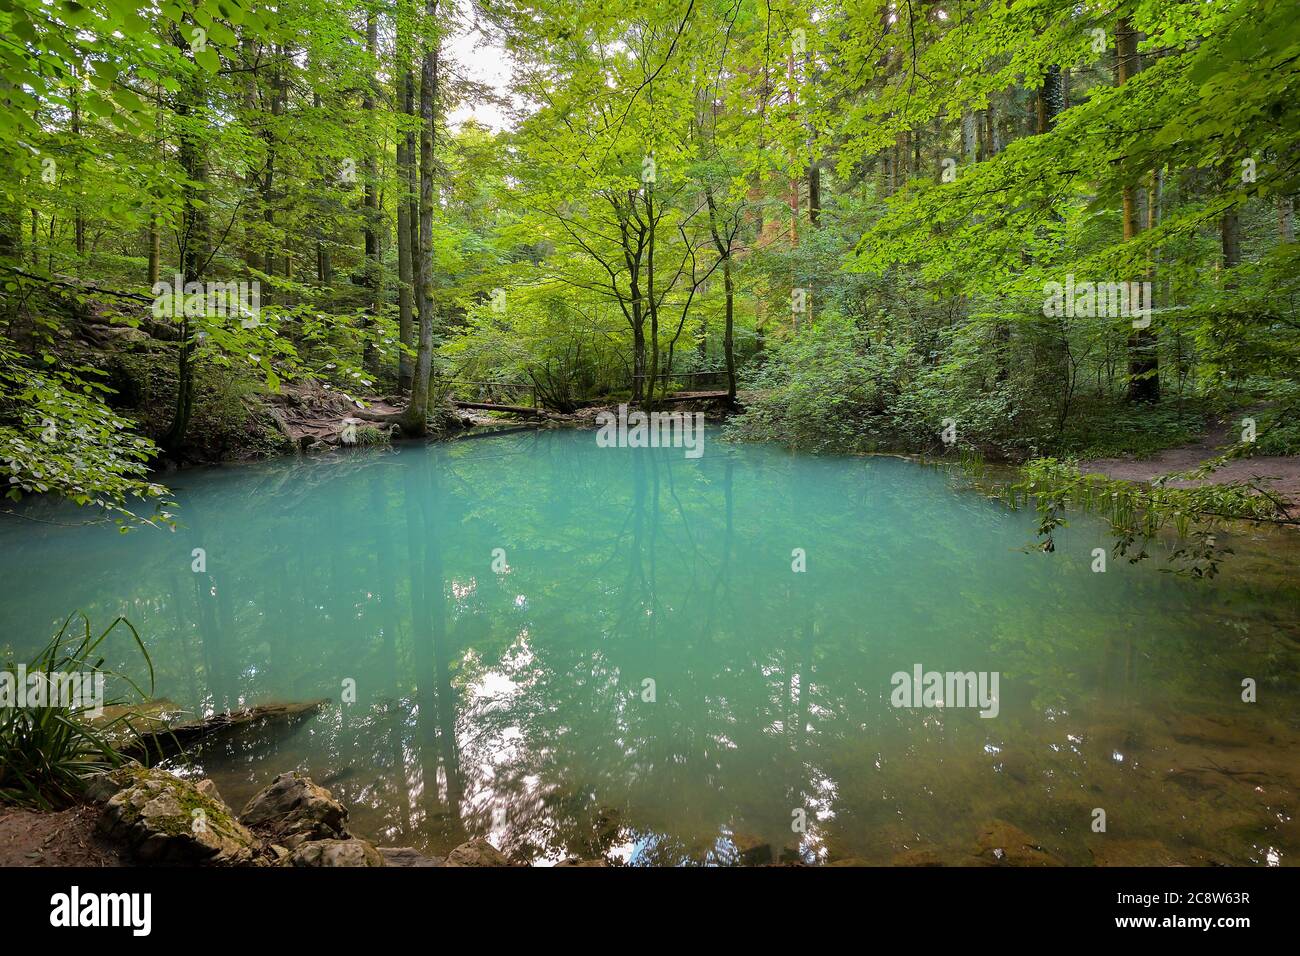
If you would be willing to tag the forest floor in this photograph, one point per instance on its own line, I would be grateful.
(61, 838)
(1279, 474)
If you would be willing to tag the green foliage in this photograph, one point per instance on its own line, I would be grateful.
(1138, 513)
(831, 389)
(860, 204)
(47, 753)
(58, 436)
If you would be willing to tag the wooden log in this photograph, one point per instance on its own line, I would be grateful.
(168, 741)
(487, 406)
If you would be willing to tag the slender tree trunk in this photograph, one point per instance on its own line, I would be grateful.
(79, 218)
(1143, 347)
(250, 252)
(969, 144)
(652, 306)
(1286, 218)
(1051, 99)
(728, 287)
(374, 274)
(1230, 238)
(193, 250)
(405, 237)
(155, 249)
(416, 420)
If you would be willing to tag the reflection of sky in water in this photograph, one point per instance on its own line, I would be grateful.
(509, 699)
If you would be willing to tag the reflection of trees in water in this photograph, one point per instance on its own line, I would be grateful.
(523, 720)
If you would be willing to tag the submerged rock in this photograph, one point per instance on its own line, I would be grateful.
(476, 852)
(160, 818)
(752, 850)
(576, 862)
(293, 810)
(1111, 852)
(407, 856)
(1001, 844)
(351, 852)
(917, 856)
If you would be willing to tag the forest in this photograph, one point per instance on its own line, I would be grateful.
(1049, 246)
(850, 210)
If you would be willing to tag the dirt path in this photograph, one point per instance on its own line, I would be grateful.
(1279, 474)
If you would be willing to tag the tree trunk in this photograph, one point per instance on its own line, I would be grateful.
(1051, 99)
(1286, 218)
(416, 420)
(193, 249)
(1143, 351)
(374, 277)
(405, 246)
(729, 290)
(155, 249)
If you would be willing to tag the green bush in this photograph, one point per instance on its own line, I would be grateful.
(47, 753)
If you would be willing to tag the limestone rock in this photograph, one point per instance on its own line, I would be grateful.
(294, 810)
(351, 852)
(476, 852)
(164, 819)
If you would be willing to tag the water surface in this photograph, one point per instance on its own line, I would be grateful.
(642, 676)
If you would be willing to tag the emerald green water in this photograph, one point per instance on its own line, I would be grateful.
(512, 703)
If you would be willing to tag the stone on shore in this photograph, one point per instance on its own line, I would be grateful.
(476, 852)
(351, 852)
(160, 818)
(293, 810)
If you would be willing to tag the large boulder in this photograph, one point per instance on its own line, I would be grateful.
(160, 818)
(294, 810)
(477, 852)
(352, 852)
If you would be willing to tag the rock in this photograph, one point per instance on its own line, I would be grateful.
(1001, 844)
(576, 862)
(477, 852)
(102, 787)
(293, 810)
(752, 850)
(407, 856)
(1107, 851)
(164, 819)
(917, 856)
(351, 852)
(849, 861)
(209, 789)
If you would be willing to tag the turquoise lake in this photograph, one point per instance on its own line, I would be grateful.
(583, 651)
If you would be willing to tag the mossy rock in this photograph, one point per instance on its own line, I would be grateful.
(163, 819)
